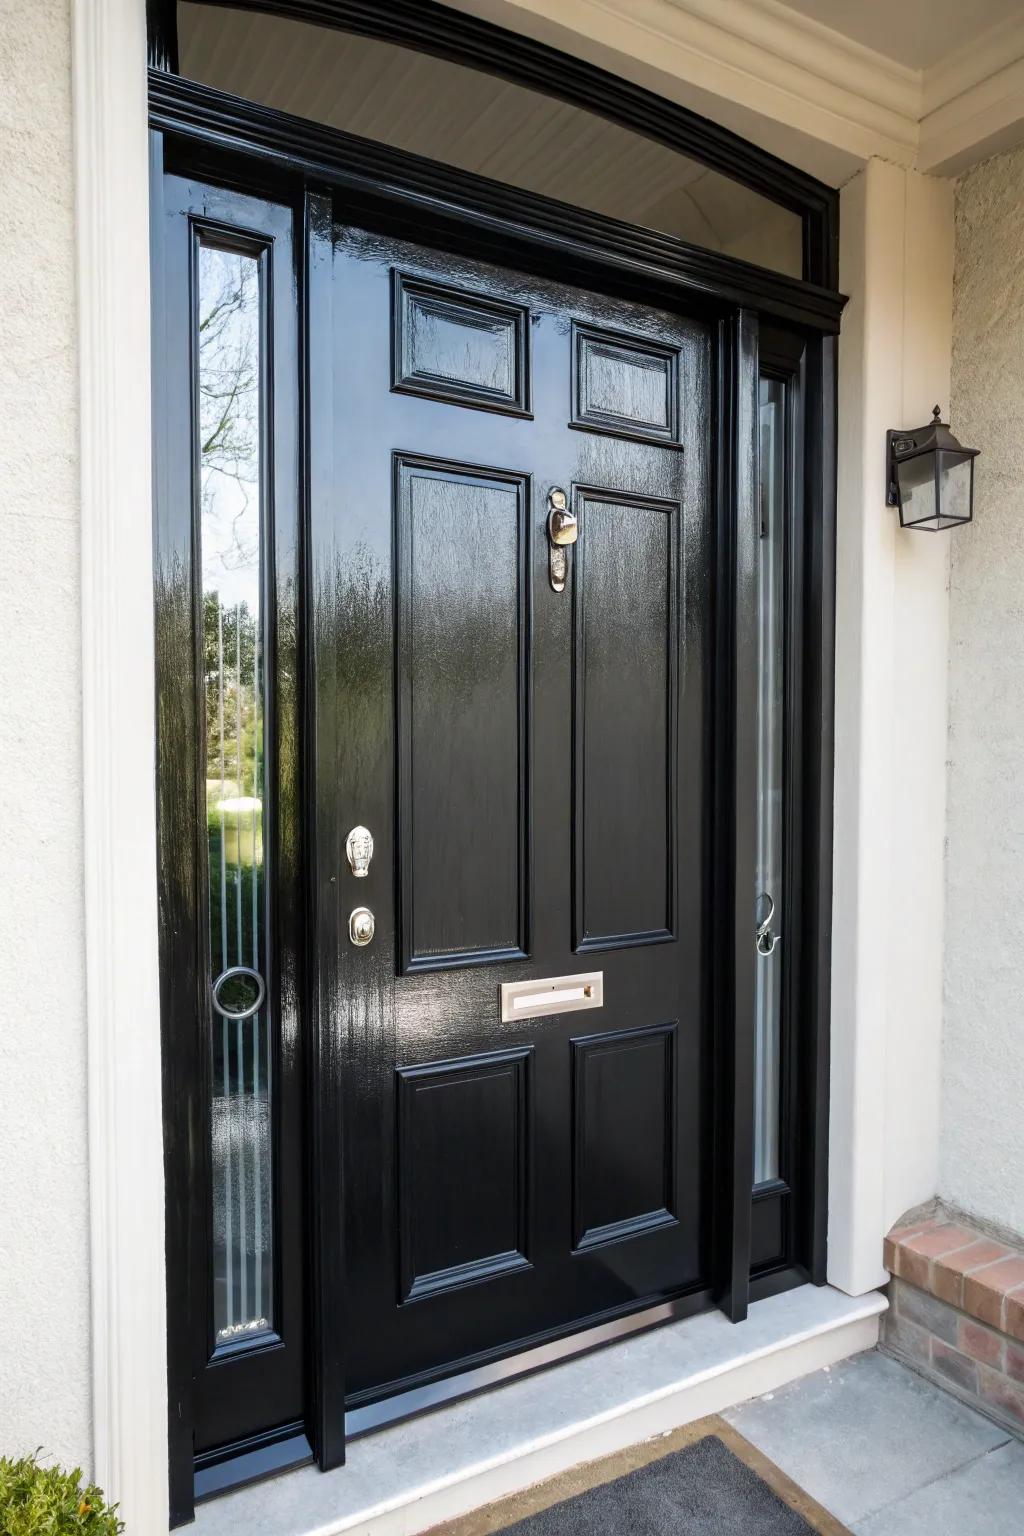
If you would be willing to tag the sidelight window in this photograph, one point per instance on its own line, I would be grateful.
(229, 421)
(770, 782)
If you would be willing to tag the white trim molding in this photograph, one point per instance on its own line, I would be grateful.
(129, 1336)
(796, 88)
(892, 603)
(984, 119)
(801, 89)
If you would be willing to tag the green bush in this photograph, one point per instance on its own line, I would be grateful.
(47, 1501)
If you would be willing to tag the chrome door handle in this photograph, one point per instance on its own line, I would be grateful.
(765, 939)
(237, 974)
(563, 530)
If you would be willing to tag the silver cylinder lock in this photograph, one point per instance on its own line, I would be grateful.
(361, 925)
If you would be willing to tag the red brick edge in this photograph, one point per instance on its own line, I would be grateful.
(963, 1268)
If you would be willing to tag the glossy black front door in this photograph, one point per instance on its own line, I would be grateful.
(532, 766)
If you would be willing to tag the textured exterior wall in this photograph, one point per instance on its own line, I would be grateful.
(982, 1158)
(44, 1214)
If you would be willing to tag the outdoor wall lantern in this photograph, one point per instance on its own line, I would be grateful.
(931, 478)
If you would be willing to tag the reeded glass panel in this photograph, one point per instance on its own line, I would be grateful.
(770, 697)
(231, 538)
(478, 122)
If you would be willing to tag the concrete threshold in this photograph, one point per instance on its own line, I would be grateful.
(415, 1475)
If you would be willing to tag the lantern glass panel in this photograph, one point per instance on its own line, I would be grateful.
(917, 489)
(955, 481)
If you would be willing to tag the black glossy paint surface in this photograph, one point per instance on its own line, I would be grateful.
(515, 752)
(362, 1032)
(408, 192)
(624, 1165)
(222, 1394)
(624, 675)
(461, 656)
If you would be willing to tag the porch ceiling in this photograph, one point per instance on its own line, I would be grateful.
(464, 117)
(933, 84)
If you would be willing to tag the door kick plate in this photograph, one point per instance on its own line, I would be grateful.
(551, 994)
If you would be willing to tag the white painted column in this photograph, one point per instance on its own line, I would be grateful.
(896, 263)
(126, 1184)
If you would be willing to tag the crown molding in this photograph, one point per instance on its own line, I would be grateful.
(985, 57)
(982, 121)
(782, 79)
(974, 101)
(798, 43)
(810, 95)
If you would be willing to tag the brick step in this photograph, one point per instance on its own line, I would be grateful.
(957, 1313)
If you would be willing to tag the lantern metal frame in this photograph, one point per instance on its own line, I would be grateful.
(933, 439)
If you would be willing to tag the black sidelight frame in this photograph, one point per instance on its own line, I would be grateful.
(223, 1388)
(763, 320)
(786, 1243)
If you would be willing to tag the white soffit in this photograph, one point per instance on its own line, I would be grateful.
(807, 91)
(973, 101)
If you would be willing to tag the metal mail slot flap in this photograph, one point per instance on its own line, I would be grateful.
(551, 994)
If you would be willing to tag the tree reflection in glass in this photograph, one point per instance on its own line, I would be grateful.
(231, 529)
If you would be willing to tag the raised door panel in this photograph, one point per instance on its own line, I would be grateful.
(463, 347)
(625, 669)
(624, 1115)
(626, 386)
(463, 1132)
(462, 702)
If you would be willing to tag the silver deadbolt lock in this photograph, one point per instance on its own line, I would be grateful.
(563, 530)
(361, 925)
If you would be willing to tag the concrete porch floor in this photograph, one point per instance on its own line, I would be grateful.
(429, 1470)
(888, 1453)
(879, 1448)
(863, 1446)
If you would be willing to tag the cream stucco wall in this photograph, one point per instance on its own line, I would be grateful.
(982, 1158)
(44, 1213)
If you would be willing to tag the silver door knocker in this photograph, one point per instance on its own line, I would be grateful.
(765, 939)
(359, 851)
(563, 530)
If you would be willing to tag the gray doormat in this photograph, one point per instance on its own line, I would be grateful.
(703, 1490)
(703, 1479)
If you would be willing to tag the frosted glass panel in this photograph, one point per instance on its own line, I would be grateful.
(770, 699)
(231, 540)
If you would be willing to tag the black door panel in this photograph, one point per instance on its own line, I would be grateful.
(531, 764)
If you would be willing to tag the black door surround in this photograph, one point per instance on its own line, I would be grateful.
(295, 163)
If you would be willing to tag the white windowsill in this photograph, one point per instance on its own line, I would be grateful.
(414, 1475)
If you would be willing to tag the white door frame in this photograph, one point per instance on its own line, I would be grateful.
(126, 1178)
